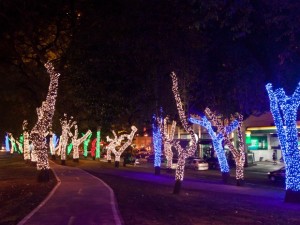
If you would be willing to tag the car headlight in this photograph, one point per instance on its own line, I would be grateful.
(269, 173)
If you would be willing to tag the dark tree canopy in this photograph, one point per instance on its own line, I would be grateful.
(115, 57)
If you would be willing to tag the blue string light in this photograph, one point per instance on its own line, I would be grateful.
(217, 139)
(284, 110)
(157, 142)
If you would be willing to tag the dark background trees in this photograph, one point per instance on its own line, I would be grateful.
(115, 57)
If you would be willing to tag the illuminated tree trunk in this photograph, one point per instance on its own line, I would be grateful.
(45, 115)
(157, 144)
(113, 143)
(119, 152)
(168, 138)
(238, 154)
(66, 125)
(26, 142)
(76, 142)
(217, 138)
(189, 150)
(284, 109)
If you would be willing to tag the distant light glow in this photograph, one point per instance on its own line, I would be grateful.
(7, 143)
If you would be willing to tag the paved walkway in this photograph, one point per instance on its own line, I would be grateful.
(78, 198)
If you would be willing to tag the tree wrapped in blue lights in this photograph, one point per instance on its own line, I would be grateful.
(157, 143)
(189, 150)
(284, 110)
(217, 137)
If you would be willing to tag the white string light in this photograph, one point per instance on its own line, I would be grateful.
(66, 125)
(189, 150)
(26, 141)
(77, 141)
(45, 115)
(129, 137)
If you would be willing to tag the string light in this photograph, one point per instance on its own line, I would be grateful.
(45, 115)
(52, 143)
(26, 141)
(77, 141)
(112, 144)
(7, 143)
(167, 140)
(218, 136)
(86, 144)
(93, 148)
(157, 142)
(98, 144)
(189, 150)
(119, 152)
(66, 125)
(238, 154)
(284, 110)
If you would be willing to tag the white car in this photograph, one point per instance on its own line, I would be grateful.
(197, 164)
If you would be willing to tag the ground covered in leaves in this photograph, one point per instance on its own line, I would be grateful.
(20, 192)
(144, 202)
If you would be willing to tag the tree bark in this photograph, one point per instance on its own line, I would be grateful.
(177, 187)
(157, 170)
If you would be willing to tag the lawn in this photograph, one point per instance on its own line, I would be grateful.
(20, 192)
(145, 202)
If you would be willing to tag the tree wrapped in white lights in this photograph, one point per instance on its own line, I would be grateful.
(45, 115)
(168, 137)
(13, 143)
(284, 109)
(119, 152)
(26, 141)
(113, 143)
(157, 143)
(189, 150)
(217, 138)
(238, 154)
(77, 141)
(66, 125)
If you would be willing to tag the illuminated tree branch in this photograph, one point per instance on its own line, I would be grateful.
(183, 153)
(45, 115)
(77, 141)
(284, 110)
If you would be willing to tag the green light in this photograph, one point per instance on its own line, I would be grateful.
(70, 146)
(98, 144)
(86, 145)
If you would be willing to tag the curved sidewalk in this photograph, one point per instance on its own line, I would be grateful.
(78, 198)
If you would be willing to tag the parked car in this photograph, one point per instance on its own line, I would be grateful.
(277, 175)
(196, 164)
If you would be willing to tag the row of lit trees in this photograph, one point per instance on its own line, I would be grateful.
(284, 109)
